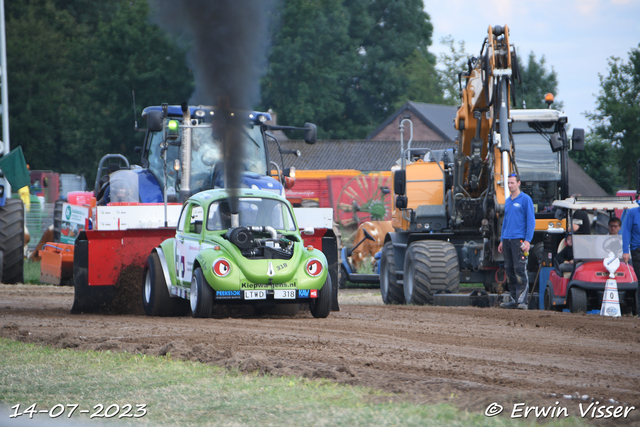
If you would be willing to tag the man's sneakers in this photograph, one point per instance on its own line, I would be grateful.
(513, 304)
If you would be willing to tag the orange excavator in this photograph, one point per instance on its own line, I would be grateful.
(448, 204)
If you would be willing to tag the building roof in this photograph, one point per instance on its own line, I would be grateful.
(362, 155)
(372, 155)
(437, 117)
(581, 183)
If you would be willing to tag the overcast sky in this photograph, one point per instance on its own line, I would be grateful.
(576, 37)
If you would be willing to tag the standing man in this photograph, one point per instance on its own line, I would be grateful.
(631, 238)
(517, 231)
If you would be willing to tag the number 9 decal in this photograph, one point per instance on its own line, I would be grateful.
(221, 267)
(314, 267)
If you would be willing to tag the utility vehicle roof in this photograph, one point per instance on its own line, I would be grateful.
(607, 203)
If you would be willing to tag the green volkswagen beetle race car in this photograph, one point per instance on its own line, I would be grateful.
(255, 256)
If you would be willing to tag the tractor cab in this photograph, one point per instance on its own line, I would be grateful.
(579, 284)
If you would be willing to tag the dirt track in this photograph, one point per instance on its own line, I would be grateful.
(468, 356)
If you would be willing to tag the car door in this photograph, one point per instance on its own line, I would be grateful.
(188, 240)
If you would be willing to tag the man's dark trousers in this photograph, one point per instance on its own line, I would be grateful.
(515, 265)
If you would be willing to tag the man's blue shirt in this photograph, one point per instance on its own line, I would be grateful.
(631, 230)
(519, 218)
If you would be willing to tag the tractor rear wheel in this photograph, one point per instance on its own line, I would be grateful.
(12, 241)
(321, 307)
(430, 266)
(390, 290)
(577, 300)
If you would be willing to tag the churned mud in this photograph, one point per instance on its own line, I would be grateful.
(466, 356)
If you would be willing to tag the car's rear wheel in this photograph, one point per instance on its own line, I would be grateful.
(321, 307)
(156, 300)
(201, 295)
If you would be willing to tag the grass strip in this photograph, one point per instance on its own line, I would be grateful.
(179, 393)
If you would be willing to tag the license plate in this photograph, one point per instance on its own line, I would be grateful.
(284, 294)
(255, 294)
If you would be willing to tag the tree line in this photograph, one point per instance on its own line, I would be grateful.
(344, 64)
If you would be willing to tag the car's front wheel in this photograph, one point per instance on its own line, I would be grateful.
(201, 295)
(321, 307)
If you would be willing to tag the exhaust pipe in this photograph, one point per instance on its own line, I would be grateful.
(185, 154)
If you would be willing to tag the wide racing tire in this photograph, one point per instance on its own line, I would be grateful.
(429, 267)
(390, 289)
(201, 295)
(12, 241)
(156, 300)
(577, 300)
(321, 307)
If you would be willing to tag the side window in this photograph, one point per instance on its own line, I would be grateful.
(195, 219)
(183, 215)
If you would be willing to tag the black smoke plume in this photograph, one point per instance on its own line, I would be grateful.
(228, 42)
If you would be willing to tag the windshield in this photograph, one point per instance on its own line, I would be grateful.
(205, 154)
(535, 160)
(253, 211)
(587, 246)
(542, 194)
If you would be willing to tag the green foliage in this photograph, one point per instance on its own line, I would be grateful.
(452, 63)
(599, 160)
(72, 67)
(617, 112)
(345, 64)
(310, 59)
(537, 81)
(422, 81)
